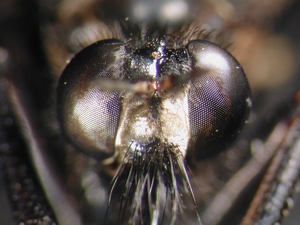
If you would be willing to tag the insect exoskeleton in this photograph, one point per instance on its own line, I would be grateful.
(149, 108)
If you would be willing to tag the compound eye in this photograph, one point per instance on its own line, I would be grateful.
(88, 114)
(219, 99)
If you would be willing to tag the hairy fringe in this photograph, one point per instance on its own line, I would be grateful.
(135, 35)
(152, 187)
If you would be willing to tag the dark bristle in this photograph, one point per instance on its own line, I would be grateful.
(152, 187)
(137, 36)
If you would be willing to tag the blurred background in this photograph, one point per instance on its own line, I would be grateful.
(39, 37)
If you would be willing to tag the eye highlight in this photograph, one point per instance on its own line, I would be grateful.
(88, 114)
(219, 98)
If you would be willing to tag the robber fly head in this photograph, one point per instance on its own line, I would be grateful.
(148, 109)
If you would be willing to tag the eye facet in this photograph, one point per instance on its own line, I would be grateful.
(196, 98)
(219, 98)
(88, 114)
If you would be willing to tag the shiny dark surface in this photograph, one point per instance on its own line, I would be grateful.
(219, 98)
(89, 115)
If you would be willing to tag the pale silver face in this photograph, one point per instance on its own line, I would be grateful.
(141, 124)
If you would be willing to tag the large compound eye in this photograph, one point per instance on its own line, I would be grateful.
(219, 98)
(89, 115)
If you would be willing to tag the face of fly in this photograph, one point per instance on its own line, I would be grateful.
(146, 109)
